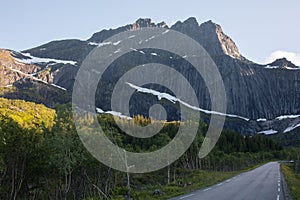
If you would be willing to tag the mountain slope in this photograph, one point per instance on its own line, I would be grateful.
(27, 114)
(253, 91)
(20, 79)
(210, 36)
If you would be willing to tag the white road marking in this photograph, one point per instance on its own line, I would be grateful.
(207, 189)
(186, 196)
(278, 197)
(278, 189)
(220, 184)
(228, 180)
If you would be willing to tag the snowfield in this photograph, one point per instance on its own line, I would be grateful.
(173, 99)
(114, 113)
(288, 129)
(268, 132)
(287, 116)
(34, 60)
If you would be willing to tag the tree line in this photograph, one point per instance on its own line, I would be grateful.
(44, 160)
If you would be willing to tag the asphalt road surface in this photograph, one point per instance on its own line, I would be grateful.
(262, 183)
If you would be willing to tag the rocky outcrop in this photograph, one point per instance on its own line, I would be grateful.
(210, 35)
(253, 91)
(32, 82)
(38, 92)
(282, 63)
(12, 70)
(140, 23)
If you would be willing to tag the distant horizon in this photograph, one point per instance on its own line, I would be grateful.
(262, 31)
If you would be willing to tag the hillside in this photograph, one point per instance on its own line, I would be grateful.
(28, 115)
(264, 97)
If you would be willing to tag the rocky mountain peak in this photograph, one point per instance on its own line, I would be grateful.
(189, 24)
(140, 23)
(283, 63)
(216, 38)
(162, 24)
(146, 22)
(211, 36)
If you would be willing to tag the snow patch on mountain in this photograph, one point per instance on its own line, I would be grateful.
(33, 60)
(278, 67)
(287, 117)
(119, 50)
(165, 32)
(261, 120)
(36, 79)
(114, 113)
(288, 129)
(116, 43)
(271, 67)
(93, 43)
(268, 132)
(57, 86)
(173, 99)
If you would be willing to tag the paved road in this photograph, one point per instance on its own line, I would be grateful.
(262, 183)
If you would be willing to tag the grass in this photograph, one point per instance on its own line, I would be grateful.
(187, 182)
(292, 179)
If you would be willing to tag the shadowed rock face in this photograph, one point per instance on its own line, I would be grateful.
(140, 23)
(284, 64)
(210, 36)
(253, 91)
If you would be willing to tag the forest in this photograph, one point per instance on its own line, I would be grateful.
(42, 156)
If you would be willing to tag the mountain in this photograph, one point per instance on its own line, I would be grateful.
(262, 96)
(140, 23)
(20, 79)
(210, 36)
(282, 63)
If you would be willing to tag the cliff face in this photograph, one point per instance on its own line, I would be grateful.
(11, 70)
(263, 93)
(140, 23)
(31, 82)
(210, 36)
(253, 91)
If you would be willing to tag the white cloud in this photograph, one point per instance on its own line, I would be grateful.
(291, 56)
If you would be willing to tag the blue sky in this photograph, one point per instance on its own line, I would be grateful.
(261, 29)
